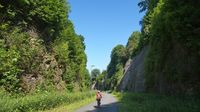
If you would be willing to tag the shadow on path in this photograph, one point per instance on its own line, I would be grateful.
(112, 107)
(108, 104)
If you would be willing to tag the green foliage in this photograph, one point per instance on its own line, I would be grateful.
(61, 51)
(115, 67)
(86, 80)
(100, 80)
(171, 30)
(77, 57)
(94, 74)
(119, 54)
(9, 70)
(143, 4)
(49, 11)
(148, 6)
(173, 36)
(118, 57)
(132, 45)
(116, 78)
(131, 102)
(101, 77)
(41, 101)
(41, 38)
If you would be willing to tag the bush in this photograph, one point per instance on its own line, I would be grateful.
(145, 102)
(40, 101)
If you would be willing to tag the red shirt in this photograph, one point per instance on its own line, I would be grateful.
(98, 95)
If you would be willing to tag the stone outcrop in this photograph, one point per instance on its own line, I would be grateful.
(133, 79)
(47, 67)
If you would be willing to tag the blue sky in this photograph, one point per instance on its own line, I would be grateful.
(104, 24)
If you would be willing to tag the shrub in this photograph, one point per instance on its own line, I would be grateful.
(40, 101)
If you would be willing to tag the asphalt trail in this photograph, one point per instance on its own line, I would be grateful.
(108, 104)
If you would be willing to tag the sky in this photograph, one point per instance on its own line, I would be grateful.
(104, 24)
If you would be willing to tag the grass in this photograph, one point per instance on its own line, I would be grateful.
(40, 101)
(72, 107)
(143, 102)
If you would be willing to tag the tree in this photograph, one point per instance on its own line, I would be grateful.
(118, 60)
(41, 34)
(95, 73)
(146, 5)
(143, 4)
(171, 27)
(118, 56)
(132, 45)
(100, 85)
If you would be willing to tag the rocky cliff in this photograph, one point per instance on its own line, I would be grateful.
(133, 79)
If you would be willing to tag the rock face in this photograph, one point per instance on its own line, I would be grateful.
(133, 79)
(46, 67)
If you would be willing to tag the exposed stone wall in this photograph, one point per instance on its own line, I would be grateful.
(133, 79)
(47, 68)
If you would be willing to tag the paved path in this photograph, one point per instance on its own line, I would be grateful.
(108, 104)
